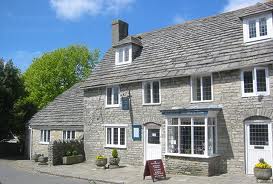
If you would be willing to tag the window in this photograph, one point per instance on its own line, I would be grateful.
(68, 134)
(151, 92)
(257, 28)
(123, 55)
(255, 81)
(115, 136)
(112, 96)
(201, 88)
(45, 136)
(187, 136)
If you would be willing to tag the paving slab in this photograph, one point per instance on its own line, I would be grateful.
(127, 174)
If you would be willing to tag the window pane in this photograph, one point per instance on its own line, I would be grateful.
(73, 135)
(122, 136)
(173, 121)
(185, 121)
(120, 53)
(126, 54)
(211, 140)
(196, 89)
(41, 136)
(185, 140)
(199, 140)
(147, 92)
(64, 137)
(258, 134)
(173, 139)
(248, 82)
(199, 121)
(116, 95)
(68, 135)
(153, 136)
(206, 88)
(109, 136)
(211, 121)
(156, 92)
(252, 29)
(109, 96)
(261, 80)
(115, 135)
(44, 140)
(48, 136)
(263, 27)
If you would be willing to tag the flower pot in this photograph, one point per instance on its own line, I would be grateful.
(262, 174)
(74, 159)
(114, 161)
(101, 162)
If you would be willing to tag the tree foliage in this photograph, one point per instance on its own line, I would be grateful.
(54, 72)
(11, 90)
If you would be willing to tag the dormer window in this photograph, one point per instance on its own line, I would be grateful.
(258, 27)
(124, 55)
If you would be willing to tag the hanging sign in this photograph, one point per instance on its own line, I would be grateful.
(155, 169)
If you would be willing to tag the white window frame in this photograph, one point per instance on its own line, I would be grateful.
(66, 132)
(112, 98)
(122, 49)
(152, 88)
(45, 131)
(112, 126)
(206, 126)
(256, 18)
(201, 83)
(255, 92)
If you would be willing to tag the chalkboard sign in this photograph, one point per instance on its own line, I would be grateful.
(155, 169)
(125, 103)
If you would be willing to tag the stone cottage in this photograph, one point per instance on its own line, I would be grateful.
(196, 95)
(61, 119)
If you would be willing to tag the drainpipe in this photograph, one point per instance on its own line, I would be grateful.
(30, 142)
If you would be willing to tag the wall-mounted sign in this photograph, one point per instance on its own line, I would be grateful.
(136, 132)
(125, 103)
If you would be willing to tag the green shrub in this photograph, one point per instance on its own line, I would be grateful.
(75, 152)
(68, 153)
(100, 157)
(115, 153)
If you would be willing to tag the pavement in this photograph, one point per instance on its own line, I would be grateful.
(12, 175)
(125, 174)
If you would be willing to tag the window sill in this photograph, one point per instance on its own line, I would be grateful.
(191, 156)
(151, 104)
(123, 64)
(254, 95)
(112, 106)
(45, 143)
(204, 101)
(257, 40)
(113, 146)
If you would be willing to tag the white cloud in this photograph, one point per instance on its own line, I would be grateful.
(178, 19)
(74, 9)
(237, 4)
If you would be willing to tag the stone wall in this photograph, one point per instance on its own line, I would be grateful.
(176, 92)
(42, 148)
(57, 150)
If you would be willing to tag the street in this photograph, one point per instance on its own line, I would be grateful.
(10, 175)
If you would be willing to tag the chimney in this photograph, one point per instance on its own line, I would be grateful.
(119, 31)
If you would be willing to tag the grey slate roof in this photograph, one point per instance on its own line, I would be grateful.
(65, 110)
(209, 44)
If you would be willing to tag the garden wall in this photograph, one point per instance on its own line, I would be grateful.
(58, 149)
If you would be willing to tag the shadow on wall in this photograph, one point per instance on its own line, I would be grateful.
(224, 145)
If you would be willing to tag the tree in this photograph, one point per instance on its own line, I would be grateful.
(56, 71)
(11, 89)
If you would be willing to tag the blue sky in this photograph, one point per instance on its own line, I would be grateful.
(29, 28)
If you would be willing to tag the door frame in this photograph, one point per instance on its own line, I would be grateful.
(146, 127)
(246, 125)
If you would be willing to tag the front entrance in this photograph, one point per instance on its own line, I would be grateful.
(152, 143)
(258, 143)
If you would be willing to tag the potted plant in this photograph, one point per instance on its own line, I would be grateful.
(114, 160)
(101, 161)
(72, 157)
(262, 170)
(35, 157)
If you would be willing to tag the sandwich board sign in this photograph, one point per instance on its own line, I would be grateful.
(155, 169)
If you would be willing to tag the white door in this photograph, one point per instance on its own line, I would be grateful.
(153, 146)
(258, 144)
